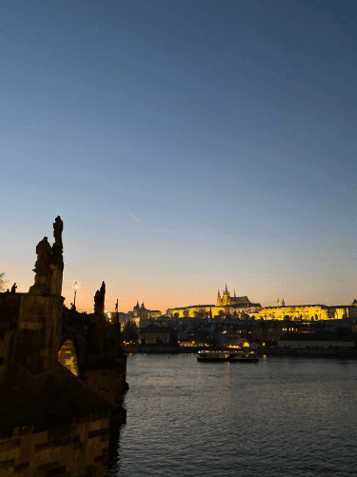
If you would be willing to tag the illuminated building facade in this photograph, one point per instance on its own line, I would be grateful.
(307, 312)
(142, 314)
(242, 306)
(225, 304)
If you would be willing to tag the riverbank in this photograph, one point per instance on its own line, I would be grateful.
(160, 349)
(311, 353)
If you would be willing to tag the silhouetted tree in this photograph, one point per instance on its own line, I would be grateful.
(130, 332)
(200, 313)
(2, 280)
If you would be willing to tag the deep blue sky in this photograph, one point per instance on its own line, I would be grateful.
(226, 128)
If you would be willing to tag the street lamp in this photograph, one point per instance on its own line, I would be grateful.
(75, 286)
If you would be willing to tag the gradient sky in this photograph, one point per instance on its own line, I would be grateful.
(185, 144)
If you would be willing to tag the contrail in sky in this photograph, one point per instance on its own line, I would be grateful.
(131, 214)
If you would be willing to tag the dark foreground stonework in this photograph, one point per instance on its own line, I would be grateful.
(56, 416)
(52, 424)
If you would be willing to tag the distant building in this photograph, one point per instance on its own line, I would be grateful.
(142, 314)
(165, 320)
(307, 312)
(272, 331)
(241, 307)
(153, 333)
(321, 339)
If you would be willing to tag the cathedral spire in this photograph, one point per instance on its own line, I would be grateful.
(219, 299)
(234, 293)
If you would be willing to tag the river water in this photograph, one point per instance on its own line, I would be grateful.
(279, 417)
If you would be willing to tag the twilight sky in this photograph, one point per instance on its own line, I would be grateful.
(185, 144)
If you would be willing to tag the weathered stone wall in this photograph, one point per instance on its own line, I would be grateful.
(107, 379)
(9, 315)
(76, 449)
(7, 340)
(10, 307)
(38, 333)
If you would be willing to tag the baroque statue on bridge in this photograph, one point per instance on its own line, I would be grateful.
(57, 230)
(49, 265)
(57, 248)
(99, 300)
(43, 251)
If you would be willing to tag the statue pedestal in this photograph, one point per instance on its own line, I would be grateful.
(56, 281)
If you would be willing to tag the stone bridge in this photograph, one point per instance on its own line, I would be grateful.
(59, 369)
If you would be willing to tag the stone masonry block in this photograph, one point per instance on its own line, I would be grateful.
(49, 466)
(57, 471)
(9, 444)
(21, 467)
(7, 463)
(51, 444)
(98, 432)
(100, 458)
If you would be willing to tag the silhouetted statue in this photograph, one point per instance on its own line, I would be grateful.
(57, 248)
(117, 311)
(57, 230)
(13, 288)
(99, 300)
(43, 251)
(49, 265)
(42, 268)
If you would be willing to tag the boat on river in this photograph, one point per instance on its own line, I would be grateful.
(213, 355)
(246, 356)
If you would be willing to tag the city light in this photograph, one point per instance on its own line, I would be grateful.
(75, 287)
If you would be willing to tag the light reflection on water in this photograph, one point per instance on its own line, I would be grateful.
(281, 417)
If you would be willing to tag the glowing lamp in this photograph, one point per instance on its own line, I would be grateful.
(75, 288)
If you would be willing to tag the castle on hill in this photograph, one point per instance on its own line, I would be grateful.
(239, 306)
(228, 300)
(225, 304)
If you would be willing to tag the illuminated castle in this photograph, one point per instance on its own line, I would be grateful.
(227, 300)
(225, 305)
(241, 306)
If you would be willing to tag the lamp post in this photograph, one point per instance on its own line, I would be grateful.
(75, 287)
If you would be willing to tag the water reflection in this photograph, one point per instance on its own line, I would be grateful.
(187, 418)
